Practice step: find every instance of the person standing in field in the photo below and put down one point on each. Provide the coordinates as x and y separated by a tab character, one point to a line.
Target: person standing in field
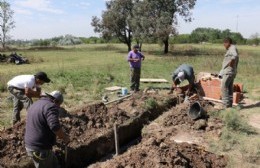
42	127
228	72
23	88
135	59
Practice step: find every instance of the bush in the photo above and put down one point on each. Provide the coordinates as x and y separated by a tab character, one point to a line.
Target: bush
151	104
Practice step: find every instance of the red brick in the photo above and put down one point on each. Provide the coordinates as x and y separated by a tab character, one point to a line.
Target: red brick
236	97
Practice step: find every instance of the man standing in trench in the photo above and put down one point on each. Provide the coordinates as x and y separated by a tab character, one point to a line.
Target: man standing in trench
135	59
228	72
23	88
42	127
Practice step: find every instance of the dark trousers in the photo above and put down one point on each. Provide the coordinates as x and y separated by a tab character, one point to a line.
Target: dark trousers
135	78
20	100
227	90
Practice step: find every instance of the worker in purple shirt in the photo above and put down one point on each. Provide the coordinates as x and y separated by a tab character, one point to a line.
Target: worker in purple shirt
135	59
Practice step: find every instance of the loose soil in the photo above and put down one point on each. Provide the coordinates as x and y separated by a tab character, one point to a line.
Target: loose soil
165	142
83	125
173	140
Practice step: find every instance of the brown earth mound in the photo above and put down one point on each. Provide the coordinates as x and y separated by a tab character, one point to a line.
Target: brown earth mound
90	121
159	147
164	153
83	125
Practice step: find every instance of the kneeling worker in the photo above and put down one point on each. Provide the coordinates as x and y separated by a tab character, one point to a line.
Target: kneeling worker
42	127
183	72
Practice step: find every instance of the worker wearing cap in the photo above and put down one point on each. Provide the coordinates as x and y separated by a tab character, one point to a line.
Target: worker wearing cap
42	127
23	88
135	59
228	72
183	72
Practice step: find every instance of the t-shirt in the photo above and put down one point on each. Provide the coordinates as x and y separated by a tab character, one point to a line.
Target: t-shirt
41	123
133	55
23	81
188	72
231	54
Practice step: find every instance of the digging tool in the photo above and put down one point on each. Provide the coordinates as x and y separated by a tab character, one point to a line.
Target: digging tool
116	139
118	99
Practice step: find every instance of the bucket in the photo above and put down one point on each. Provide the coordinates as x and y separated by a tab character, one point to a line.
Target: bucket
124	91
195	111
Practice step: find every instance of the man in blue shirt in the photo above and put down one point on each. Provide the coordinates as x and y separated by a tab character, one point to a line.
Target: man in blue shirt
183	72
135	59
42	127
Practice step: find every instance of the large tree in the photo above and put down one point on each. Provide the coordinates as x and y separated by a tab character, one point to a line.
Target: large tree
6	21
115	21
158	19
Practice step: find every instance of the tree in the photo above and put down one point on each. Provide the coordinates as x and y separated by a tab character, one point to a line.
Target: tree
158	19
6	21
115	21
254	39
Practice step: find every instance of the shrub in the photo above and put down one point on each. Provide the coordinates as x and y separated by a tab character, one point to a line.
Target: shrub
151	104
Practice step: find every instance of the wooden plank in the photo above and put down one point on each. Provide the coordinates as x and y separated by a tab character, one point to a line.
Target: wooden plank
152	80
211	99
113	88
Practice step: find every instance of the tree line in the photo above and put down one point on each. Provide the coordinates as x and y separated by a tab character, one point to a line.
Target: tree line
211	35
142	20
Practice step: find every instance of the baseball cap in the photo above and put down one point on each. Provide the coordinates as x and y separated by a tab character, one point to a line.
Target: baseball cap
181	76
56	95
42	76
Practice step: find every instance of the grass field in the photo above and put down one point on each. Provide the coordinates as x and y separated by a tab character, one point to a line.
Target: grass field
82	73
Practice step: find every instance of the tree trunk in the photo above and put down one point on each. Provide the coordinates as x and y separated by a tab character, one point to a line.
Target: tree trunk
129	46
166	46
140	45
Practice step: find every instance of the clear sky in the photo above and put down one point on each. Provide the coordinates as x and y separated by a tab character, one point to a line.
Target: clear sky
50	18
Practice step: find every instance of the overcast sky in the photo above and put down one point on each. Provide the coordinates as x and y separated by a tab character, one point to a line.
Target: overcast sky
50	18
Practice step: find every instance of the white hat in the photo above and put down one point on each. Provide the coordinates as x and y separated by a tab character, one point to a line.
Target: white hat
181	76
56	95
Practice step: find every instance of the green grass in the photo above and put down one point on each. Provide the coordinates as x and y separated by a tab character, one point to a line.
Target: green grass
82	72
239	141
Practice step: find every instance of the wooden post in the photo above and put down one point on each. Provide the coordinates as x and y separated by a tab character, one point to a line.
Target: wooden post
116	139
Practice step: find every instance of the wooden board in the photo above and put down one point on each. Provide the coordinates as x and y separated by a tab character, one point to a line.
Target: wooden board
113	88
151	80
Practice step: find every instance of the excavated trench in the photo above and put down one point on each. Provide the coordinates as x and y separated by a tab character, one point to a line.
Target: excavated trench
92	136
91	130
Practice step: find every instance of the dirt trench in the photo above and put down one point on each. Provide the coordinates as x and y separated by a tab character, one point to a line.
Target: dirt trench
91	130
161	145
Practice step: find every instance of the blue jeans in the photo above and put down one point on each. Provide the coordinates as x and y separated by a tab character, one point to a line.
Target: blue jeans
227	89
43	158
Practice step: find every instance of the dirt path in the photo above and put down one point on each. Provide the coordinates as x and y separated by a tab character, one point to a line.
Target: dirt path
254	120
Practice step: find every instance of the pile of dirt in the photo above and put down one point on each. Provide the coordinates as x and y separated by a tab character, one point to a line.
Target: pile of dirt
83	124
163	152
12	144
88	122
173	140
80	125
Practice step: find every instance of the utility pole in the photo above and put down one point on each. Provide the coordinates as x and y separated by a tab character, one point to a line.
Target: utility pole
237	24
